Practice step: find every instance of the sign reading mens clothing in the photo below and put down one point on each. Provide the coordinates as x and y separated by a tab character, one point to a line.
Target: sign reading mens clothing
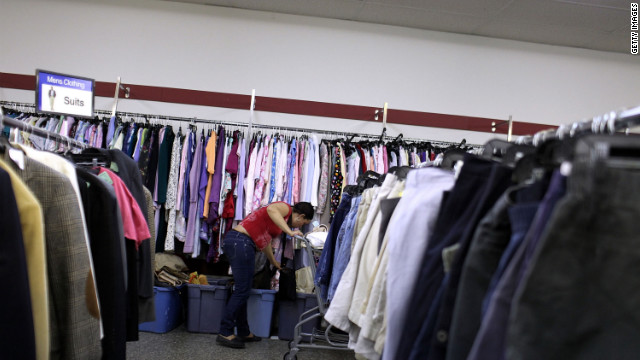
64	94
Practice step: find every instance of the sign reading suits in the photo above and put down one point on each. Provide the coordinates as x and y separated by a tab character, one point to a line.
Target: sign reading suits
64	94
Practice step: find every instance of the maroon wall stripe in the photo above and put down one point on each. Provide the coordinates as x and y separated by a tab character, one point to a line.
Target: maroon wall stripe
291	106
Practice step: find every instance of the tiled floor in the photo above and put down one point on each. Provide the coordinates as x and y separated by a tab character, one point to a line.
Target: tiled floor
179	344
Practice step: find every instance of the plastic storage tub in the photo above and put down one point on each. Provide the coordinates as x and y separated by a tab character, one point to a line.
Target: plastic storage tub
260	311
169	310
289	315
205	307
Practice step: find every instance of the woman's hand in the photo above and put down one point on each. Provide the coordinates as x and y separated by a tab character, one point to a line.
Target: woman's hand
296	232
276	264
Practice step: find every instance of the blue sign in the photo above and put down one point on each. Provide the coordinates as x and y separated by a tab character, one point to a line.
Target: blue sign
64	94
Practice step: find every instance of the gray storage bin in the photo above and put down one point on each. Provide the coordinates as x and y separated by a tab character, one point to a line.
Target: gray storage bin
289	313
205	307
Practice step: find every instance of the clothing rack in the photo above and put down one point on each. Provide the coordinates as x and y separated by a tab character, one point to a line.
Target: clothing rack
611	122
14	123
149	117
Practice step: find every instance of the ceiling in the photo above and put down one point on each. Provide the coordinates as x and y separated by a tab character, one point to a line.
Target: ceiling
591	24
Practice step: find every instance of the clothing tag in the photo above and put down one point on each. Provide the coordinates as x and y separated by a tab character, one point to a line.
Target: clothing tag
457	168
565	168
17	156
449	255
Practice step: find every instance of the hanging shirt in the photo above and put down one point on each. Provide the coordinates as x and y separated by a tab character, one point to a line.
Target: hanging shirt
172	194
287	196
194	185
181	223
111	130
181	172
226	179
138	146
133	220
303	158
260	176
186	193
251	181
297	174
272	180
324	178
241	181
311	158
218	175
291	172
343	169
316	172
278	172
267	174
231	168
204	177
211	168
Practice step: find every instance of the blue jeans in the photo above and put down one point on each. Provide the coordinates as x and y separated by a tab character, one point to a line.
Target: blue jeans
241	252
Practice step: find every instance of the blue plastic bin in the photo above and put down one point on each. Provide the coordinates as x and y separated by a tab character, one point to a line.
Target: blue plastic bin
260	311
205	307
169	310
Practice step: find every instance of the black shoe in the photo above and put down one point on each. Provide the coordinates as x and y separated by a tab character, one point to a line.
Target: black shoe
235	343
251	338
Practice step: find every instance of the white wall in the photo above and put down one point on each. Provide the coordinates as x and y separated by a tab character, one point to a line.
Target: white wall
228	50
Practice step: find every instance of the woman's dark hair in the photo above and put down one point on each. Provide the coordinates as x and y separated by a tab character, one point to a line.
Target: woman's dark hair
305	209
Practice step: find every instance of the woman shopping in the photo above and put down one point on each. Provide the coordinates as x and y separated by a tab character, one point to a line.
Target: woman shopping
254	233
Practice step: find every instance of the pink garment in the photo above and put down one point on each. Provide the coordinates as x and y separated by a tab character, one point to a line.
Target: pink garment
250	182
133	220
385	159
297	174
257	193
381	164
99	136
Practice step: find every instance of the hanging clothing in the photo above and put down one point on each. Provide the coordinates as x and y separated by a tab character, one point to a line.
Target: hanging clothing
324	178
108	249
25	331
336	181
74	333
194	184
172	193
417	213
210	151
218	175
139	268
241	182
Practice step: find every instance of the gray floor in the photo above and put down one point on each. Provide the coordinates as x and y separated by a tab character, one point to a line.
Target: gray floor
180	344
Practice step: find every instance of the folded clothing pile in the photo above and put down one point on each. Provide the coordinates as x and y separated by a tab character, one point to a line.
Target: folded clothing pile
170	270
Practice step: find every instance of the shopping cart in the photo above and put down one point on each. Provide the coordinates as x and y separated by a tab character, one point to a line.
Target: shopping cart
319	338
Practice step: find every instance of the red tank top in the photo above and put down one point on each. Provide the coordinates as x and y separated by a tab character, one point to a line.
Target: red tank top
261	228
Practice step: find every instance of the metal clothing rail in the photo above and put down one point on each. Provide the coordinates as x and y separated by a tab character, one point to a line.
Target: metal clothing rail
151	118
14	123
608	123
